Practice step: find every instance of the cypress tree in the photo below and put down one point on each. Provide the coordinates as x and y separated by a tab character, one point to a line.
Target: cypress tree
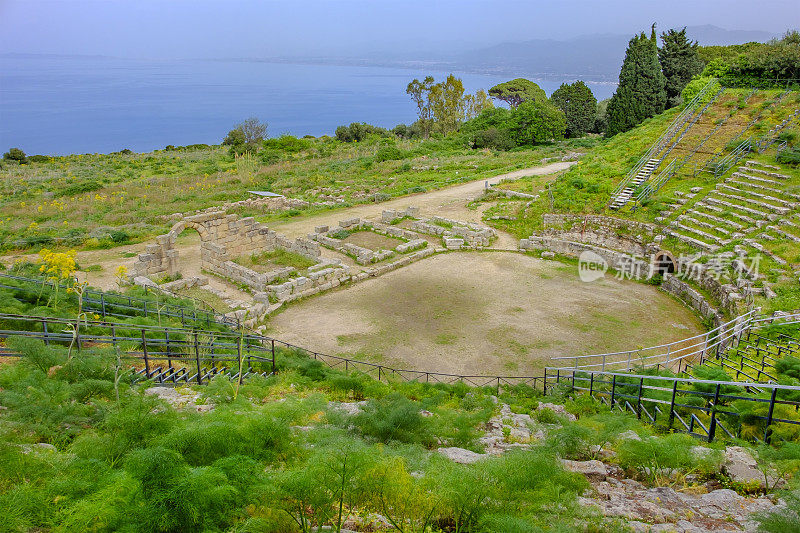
679	63
578	104
640	93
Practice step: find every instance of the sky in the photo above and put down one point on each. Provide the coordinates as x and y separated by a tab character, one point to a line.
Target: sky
182	29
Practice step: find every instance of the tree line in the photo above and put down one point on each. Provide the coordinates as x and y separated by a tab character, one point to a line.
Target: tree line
652	79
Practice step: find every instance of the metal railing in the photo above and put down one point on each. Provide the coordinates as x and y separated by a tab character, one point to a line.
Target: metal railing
157	345
663	355
670	132
667	400
109	304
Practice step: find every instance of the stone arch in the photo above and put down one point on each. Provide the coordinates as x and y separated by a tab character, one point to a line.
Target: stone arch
179	227
664	263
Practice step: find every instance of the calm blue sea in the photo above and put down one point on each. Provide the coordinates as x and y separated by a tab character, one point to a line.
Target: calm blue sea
87	105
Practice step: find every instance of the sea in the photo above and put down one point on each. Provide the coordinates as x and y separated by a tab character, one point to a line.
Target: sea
74	105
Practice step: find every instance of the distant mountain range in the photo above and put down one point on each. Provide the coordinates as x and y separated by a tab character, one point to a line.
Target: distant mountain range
588	57
595	58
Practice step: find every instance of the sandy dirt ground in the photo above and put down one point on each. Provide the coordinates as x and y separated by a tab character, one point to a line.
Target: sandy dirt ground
483	313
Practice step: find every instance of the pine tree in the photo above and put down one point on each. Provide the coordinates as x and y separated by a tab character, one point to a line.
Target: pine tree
578	104
640	93
679	63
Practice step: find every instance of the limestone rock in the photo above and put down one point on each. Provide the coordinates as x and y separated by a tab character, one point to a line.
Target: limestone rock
558	409
594	470
350	408
740	466
461	455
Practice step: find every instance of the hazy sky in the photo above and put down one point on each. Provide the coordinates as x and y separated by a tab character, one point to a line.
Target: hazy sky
232	28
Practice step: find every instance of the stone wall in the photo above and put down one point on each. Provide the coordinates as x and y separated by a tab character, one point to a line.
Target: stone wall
456	233
690	296
633	238
271	203
617	260
223	237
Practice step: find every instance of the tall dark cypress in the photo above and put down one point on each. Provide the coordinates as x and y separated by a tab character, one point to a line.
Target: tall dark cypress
679	63
641	92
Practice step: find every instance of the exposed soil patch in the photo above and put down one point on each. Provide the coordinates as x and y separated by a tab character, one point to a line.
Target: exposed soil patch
372	240
483	313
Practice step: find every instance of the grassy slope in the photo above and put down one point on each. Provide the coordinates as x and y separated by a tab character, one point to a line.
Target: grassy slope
586	188
90	196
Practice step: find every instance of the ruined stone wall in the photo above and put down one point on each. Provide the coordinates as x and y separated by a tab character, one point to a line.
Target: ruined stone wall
223	237
633	238
614	259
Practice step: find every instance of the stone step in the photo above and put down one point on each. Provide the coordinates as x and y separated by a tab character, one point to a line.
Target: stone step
734	225
762	188
703	224
768	174
699	234
784	234
716	209
701	245
735	207
760	247
783	203
751	162
748	177
775	210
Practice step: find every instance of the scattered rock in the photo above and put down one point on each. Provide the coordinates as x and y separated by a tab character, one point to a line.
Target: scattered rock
350	408
426	414
741	467
558	409
629	435
548	255
183	398
461	455
594	470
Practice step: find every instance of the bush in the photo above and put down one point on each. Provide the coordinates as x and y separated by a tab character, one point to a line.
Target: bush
15	154
656	458
120	236
358	131
388	153
394	418
789	156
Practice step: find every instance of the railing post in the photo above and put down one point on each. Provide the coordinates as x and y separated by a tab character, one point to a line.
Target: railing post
613	389
604	362
103	305
273	356
44	330
197	358
379	373
712	427
639	400
146	359
183	319
672	403
591	383
768	430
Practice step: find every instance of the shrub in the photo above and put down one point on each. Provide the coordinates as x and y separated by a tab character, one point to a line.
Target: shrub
120	236
789	156
15	154
394	418
656	458
388	153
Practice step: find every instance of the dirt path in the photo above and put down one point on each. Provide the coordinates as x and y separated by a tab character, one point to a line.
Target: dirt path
449	202
483	313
